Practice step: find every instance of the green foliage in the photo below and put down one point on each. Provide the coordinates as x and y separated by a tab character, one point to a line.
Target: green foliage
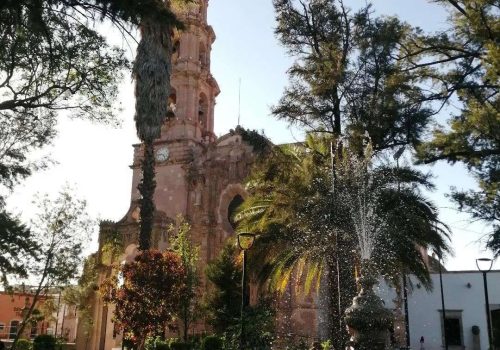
61	228
304	222
326	345
212	342
225	276
44	342
151	72
81	295
24	344
153	285
259	327
463	63
223	305
16	246
177	345
181	243
49	63
156	343
112	247
346	78
300	345
261	145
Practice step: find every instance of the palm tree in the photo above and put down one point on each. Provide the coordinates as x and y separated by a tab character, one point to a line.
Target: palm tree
306	228
151	72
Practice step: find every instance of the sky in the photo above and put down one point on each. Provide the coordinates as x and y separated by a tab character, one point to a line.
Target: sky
95	159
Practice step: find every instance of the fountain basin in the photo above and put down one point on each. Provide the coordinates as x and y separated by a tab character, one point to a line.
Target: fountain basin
368	321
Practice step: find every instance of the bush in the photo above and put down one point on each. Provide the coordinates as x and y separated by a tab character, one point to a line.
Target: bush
176	345
156	344
44	342
24	344
212	342
327	345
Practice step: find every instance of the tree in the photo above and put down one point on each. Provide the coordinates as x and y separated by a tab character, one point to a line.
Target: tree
222	304
462	63
149	295
151	72
16	247
52	59
346	78
82	294
225	277
301	221
61	228
181	243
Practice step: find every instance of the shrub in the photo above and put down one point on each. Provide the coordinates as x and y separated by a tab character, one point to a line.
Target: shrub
176	345
156	344
24	344
212	342
162	346
44	342
327	345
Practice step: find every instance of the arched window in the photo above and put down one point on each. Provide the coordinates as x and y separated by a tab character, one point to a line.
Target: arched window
172	102
231	209
203	110
13	328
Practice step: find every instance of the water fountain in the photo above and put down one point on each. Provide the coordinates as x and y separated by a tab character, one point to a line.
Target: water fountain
368	321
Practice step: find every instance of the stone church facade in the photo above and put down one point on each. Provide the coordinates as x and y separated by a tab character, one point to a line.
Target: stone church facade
198	176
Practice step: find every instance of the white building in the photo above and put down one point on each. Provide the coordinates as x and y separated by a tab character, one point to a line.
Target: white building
465	308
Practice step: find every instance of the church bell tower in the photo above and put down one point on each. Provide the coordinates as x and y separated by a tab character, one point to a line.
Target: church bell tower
189	128
192	99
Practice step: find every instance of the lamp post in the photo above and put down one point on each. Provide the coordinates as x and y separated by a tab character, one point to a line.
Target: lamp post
245	242
396	157
442	300
484	262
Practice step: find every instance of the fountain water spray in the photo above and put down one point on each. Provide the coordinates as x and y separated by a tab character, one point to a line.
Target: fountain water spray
367	319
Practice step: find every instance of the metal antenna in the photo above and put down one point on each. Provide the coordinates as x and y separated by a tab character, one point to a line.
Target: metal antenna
239	101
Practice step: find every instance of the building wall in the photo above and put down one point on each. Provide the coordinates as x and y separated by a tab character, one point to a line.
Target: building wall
463	294
11	306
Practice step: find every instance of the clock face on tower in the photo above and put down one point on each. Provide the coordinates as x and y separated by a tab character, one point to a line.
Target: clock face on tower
162	154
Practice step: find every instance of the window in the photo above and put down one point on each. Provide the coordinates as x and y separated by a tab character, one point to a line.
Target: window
203	56
495	325
2	327
452	327
231	210
172	102
202	110
14	325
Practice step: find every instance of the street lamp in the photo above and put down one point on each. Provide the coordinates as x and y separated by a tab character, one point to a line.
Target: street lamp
484	263
442	298
245	242
396	157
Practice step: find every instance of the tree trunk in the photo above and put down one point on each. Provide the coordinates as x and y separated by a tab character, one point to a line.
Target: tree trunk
147	189
28	315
